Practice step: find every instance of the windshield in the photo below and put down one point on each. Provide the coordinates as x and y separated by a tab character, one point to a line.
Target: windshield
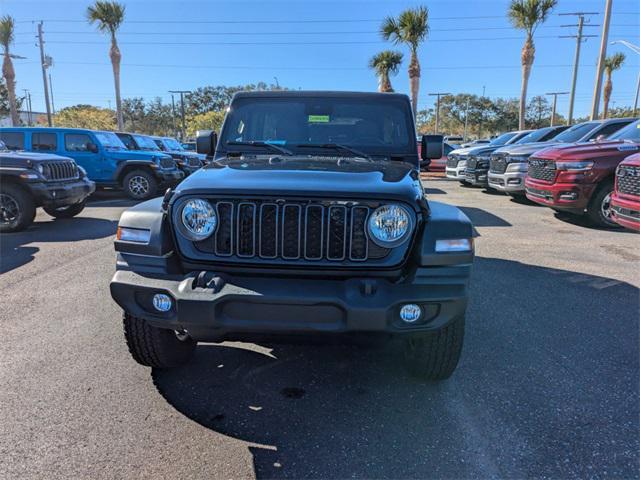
630	132
576	132
145	143
502	139
536	135
172	144
110	141
381	126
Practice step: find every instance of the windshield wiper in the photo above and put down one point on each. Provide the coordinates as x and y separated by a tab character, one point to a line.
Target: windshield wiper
255	143
335	146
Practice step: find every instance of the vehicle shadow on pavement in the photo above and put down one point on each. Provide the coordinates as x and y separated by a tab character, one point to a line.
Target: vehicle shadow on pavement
14	252
483	218
584	222
547	379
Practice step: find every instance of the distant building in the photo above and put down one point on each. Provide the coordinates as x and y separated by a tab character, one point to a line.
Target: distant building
5	120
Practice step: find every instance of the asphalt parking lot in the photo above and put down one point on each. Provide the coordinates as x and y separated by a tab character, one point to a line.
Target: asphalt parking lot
547	385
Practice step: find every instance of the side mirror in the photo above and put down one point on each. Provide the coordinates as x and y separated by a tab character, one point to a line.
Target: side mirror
206	141
432	147
92	147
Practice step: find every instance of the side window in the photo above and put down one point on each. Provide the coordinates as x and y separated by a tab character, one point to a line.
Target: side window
44	142
128	141
13	140
608	130
76	142
160	144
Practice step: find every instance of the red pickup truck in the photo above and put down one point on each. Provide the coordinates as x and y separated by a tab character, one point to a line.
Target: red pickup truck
625	202
579	178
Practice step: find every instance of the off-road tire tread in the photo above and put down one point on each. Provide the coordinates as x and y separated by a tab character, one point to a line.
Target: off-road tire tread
27	206
155	347
70	212
439	354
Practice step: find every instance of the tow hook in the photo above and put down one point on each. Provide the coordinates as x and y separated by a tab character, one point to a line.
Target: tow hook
208	280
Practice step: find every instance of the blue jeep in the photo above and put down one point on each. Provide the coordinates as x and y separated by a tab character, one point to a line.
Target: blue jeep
104	157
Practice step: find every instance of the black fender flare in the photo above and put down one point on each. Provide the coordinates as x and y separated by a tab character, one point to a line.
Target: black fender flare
125	164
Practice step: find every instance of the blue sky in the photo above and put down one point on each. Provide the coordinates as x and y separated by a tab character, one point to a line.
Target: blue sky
310	45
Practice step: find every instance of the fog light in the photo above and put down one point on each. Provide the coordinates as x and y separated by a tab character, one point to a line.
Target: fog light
410	313
162	302
568	195
514	181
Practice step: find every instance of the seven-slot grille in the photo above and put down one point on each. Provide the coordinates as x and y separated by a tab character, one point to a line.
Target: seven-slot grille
542	169
292	230
629	183
167	162
58	171
498	164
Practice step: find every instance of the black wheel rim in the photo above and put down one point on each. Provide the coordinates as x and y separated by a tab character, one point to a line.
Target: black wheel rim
9	209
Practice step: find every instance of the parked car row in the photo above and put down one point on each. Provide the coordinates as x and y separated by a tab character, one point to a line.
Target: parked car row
568	169
58	168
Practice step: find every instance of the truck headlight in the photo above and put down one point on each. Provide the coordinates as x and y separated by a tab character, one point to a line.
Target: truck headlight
574	166
389	225
198	219
518	167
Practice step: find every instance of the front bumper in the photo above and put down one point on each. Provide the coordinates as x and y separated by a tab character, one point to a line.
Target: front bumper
510	182
626	212
456	173
169	177
61	194
476	177
571	197
236	307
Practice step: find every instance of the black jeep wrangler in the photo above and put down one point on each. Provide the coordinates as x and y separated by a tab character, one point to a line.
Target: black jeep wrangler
29	180
310	220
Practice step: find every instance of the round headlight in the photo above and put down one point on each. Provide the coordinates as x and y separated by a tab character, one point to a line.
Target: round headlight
389	225
199	219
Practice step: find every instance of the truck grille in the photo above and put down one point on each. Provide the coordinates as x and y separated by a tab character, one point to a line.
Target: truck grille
542	169
59	171
629	180
293	231
167	162
452	161
498	164
472	163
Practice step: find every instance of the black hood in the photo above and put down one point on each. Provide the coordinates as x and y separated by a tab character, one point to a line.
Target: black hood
326	177
26	159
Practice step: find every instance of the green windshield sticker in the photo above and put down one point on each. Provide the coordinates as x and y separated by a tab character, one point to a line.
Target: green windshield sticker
318	118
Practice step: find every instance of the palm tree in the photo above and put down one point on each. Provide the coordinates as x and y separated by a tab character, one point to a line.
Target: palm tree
109	15
527	15
9	74
411	28
611	64
385	63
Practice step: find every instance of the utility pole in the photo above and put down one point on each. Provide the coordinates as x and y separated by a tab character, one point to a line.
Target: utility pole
466	118
53	108
438	95
576	60
182	92
44	64
555	101
595	106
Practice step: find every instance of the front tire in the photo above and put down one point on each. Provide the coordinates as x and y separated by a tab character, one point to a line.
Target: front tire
156	347
434	356
140	185
65	212
17	208
599	209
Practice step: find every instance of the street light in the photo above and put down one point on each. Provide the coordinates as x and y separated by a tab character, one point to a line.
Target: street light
636	49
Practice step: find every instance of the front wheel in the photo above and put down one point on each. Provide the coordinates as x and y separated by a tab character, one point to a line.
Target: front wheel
599	209
156	347
17	209
140	185
65	212
435	355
